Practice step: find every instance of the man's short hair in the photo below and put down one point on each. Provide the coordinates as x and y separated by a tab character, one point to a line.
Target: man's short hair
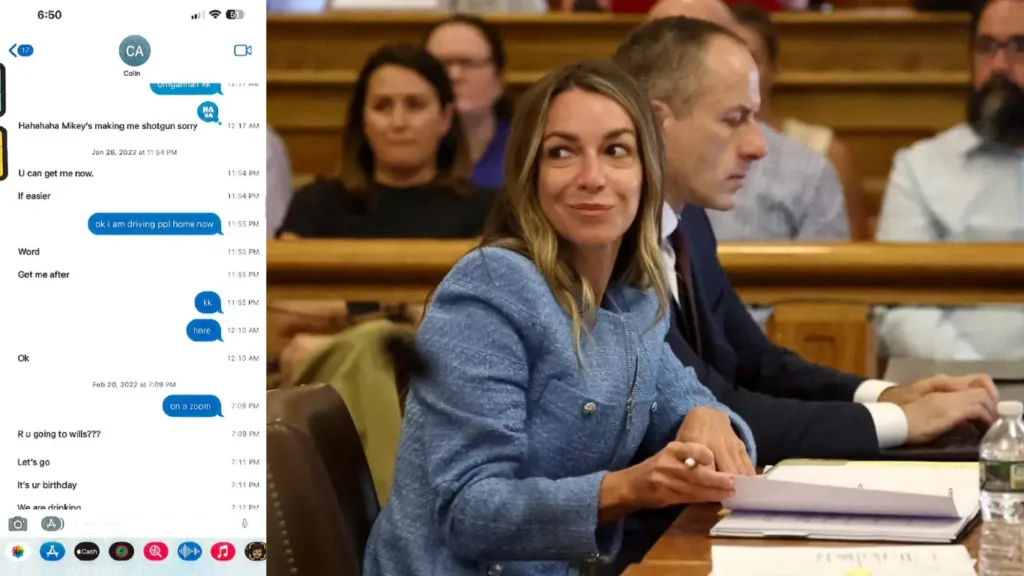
667	57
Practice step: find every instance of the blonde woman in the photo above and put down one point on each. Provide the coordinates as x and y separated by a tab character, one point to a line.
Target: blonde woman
549	368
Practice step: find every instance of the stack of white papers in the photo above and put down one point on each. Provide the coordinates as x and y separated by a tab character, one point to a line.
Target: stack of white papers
886	502
859	561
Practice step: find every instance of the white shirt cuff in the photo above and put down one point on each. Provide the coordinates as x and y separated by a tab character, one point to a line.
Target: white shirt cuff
890	424
870	390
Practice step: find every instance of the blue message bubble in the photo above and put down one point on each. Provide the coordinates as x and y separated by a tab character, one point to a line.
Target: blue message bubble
192	406
208	303
204	330
155	224
179	89
209	112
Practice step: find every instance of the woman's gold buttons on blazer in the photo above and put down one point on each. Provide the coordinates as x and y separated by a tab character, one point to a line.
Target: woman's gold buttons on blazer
589	409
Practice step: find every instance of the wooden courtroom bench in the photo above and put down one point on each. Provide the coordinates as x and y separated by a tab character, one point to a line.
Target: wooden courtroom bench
822	293
882	81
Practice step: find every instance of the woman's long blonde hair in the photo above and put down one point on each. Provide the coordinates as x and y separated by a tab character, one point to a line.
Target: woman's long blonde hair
517	221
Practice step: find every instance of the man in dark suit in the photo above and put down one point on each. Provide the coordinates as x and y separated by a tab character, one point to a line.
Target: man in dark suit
702	82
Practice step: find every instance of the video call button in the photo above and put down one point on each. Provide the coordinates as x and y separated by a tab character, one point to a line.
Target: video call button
87	551
121	551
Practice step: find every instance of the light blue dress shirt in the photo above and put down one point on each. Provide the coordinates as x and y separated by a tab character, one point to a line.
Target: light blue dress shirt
793	193
279	182
954	188
295	6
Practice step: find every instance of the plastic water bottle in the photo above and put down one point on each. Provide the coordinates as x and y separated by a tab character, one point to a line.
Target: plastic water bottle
1002	494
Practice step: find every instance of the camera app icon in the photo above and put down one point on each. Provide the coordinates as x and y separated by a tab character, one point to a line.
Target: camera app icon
17	524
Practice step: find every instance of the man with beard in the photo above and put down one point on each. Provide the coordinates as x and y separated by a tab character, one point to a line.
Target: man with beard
965	185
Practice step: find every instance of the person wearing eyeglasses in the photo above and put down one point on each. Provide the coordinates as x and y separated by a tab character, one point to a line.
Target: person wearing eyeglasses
965	185
474	56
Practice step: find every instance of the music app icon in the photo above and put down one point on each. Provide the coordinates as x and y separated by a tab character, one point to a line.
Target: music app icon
223	551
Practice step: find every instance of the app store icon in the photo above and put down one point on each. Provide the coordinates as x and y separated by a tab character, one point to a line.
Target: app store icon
52	551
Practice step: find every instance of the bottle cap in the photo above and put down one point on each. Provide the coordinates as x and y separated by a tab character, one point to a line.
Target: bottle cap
1011	408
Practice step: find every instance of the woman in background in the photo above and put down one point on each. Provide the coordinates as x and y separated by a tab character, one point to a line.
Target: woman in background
548	367
405	164
474	56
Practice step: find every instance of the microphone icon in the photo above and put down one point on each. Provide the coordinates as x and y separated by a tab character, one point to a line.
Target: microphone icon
245	523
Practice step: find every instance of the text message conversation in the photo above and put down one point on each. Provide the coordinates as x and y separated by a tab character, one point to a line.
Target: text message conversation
132	264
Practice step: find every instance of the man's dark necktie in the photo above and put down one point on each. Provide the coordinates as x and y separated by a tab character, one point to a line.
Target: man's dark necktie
687	303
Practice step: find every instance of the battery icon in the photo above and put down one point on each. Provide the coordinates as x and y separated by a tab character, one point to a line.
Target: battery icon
235	14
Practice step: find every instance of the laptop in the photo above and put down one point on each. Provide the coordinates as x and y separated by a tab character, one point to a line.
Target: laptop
960	444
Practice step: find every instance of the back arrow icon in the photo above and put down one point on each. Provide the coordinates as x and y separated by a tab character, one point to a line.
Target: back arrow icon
11	50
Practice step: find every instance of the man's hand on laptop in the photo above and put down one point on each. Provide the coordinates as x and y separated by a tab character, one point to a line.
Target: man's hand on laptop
713	429
933	415
907	393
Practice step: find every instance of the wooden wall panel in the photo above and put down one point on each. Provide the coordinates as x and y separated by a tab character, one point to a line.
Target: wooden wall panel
876	116
811	41
882	81
822	294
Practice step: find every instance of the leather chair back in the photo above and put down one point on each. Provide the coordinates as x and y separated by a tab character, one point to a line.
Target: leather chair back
318	412
306	533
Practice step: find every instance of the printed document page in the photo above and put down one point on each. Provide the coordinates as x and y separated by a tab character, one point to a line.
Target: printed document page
859	561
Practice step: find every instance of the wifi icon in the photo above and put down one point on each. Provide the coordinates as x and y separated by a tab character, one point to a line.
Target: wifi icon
215	14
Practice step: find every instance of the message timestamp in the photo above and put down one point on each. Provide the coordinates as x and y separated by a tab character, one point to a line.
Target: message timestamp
139	384
137	152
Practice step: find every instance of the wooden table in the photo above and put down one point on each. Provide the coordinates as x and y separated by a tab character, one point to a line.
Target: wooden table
668	569
685	549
